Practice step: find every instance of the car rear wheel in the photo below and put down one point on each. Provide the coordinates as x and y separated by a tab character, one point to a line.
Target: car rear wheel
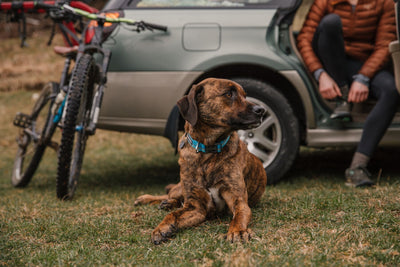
276	141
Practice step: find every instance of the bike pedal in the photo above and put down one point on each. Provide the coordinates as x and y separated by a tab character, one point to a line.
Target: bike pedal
22	120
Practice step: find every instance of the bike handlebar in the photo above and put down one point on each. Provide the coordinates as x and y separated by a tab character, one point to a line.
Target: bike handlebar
99	17
156	26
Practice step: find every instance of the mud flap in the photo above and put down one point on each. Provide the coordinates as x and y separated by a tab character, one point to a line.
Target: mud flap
172	127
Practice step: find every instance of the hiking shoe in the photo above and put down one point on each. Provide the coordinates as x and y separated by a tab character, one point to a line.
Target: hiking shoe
342	111
358	177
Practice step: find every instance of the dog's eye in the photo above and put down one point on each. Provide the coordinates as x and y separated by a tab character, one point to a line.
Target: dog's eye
229	94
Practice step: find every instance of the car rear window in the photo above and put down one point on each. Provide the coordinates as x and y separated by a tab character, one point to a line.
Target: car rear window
209	3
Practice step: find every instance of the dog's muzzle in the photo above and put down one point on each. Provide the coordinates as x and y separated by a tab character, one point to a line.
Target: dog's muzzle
248	119
259	110
259	113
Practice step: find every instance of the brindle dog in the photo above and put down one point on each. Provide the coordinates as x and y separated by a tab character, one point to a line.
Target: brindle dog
216	169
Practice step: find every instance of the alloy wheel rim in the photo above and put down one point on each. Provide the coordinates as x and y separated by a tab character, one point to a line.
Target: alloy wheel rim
265	140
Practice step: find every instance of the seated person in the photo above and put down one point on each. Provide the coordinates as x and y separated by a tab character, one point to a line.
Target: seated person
344	44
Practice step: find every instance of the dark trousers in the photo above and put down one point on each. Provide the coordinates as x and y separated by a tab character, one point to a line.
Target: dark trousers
328	45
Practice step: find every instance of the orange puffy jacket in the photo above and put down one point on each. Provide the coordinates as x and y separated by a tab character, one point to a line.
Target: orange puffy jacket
367	30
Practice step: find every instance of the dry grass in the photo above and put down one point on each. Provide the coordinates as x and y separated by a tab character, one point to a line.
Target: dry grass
30	67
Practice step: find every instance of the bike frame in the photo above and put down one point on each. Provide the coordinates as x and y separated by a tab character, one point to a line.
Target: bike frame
96	48
93	46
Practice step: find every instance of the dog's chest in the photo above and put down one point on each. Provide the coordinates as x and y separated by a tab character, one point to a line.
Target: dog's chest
216	201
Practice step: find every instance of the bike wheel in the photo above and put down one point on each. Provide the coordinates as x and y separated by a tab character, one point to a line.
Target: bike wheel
34	138
74	135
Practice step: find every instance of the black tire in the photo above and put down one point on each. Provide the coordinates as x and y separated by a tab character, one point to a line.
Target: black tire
30	150
276	141
74	135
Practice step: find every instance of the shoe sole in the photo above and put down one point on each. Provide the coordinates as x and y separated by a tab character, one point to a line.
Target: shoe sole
362	184
343	117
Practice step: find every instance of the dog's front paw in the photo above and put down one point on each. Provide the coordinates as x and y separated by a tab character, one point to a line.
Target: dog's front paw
236	236
162	233
170	204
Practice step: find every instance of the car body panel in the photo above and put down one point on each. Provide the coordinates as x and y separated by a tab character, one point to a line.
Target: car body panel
147	109
294	77
147	67
158	51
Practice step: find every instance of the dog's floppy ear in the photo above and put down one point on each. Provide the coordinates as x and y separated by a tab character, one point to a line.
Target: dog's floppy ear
187	105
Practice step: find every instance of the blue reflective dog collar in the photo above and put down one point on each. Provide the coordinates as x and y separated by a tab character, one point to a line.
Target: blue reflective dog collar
206	149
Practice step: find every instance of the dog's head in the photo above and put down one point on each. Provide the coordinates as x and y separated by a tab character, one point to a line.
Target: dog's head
220	103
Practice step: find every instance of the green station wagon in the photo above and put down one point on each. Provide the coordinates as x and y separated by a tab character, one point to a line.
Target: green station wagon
250	41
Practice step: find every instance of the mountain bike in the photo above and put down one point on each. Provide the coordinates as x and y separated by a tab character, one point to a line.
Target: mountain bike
85	94
38	127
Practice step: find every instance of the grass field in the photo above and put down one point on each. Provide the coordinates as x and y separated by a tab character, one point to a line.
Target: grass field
309	219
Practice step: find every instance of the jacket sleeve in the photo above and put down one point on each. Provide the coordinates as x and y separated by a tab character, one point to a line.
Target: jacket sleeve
386	32
304	40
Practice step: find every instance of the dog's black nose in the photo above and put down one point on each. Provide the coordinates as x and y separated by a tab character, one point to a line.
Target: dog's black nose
258	110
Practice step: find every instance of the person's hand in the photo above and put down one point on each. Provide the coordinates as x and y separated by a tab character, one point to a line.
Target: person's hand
328	87
358	92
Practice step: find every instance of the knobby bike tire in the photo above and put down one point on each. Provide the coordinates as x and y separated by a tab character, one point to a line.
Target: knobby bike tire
30	151
74	134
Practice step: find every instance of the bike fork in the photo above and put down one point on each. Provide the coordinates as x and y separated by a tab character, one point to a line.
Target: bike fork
95	111
98	97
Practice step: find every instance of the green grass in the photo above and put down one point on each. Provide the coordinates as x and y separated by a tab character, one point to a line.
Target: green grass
309	219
